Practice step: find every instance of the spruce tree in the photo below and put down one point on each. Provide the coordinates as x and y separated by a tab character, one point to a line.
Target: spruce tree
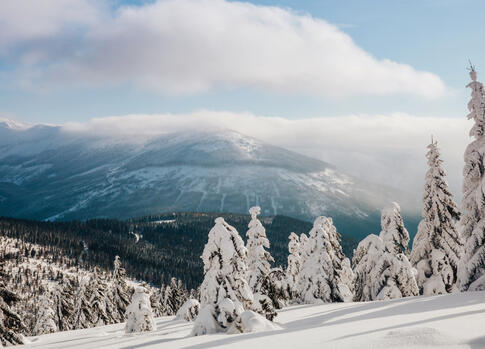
82	316
64	294
11	325
259	264
224	292
471	269
139	316
394	234
437	245
101	304
46	316
381	268
119	290
322	277
294	265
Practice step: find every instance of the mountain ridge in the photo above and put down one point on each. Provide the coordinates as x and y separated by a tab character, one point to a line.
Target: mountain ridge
50	173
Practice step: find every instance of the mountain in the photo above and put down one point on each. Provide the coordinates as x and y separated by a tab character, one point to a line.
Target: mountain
50	173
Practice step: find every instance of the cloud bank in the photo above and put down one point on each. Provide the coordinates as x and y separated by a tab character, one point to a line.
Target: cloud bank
193	46
388	149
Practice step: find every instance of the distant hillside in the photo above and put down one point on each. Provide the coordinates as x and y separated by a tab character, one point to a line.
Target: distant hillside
48	173
169	246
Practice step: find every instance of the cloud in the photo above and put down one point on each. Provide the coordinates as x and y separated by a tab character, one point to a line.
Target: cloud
387	149
195	46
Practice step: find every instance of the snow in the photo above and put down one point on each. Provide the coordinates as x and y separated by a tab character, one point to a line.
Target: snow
451	321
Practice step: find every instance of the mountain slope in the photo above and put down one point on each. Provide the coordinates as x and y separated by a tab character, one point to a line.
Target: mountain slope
414	322
49	173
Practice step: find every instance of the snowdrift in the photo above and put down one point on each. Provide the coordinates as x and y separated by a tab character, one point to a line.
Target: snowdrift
451	321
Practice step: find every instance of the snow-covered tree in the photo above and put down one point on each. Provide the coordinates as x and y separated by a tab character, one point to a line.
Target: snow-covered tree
437	245
82	316
11	325
64	294
380	266
322	278
120	291
101	304
259	264
471	269
259	260
175	296
224	292
294	265
46	316
157	301
394	234
189	310
139	316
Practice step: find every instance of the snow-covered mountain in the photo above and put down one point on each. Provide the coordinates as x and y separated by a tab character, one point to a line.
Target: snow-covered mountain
47	172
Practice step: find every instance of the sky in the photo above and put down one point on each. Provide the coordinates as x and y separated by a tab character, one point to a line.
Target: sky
350	67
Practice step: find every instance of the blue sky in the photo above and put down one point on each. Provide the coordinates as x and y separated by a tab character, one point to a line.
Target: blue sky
432	36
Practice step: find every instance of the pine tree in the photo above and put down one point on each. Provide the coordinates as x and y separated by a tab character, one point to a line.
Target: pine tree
46	316
322	278
11	325
471	269
381	268
294	265
437	245
259	264
139	316
224	293
120	291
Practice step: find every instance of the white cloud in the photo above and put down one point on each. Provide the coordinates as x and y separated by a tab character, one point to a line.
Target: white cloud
388	149
193	46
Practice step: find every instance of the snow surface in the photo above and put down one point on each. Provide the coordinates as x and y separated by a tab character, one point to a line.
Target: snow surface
449	321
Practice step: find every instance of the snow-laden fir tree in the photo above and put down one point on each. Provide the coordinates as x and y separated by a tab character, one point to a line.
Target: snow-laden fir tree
120	292
471	270
82	316
259	260
101	304
224	292
11	325
157	301
437	245
139	316
322	275
175	296
294	265
189	310
275	287
45	316
259	264
394	234
380	266
64	293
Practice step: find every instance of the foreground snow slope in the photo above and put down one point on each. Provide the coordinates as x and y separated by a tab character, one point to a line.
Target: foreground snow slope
451	321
